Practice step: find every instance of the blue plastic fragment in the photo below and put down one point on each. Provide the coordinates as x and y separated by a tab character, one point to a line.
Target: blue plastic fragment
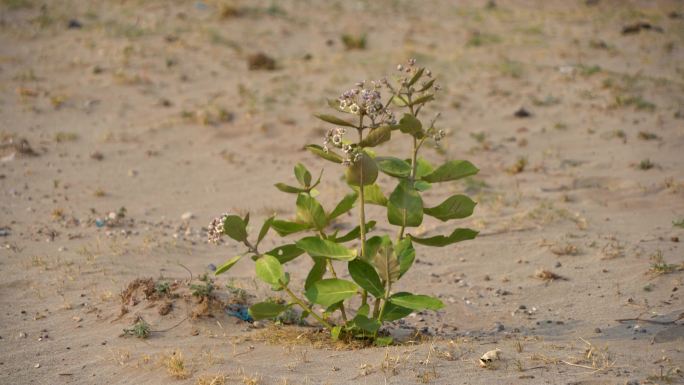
99	222
239	311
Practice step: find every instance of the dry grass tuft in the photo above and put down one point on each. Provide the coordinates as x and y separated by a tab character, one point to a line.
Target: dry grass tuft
564	249
211	379
175	365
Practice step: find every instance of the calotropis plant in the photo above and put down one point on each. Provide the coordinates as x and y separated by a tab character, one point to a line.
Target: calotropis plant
379	261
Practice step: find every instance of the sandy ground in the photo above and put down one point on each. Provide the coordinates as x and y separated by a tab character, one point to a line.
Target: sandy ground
150	106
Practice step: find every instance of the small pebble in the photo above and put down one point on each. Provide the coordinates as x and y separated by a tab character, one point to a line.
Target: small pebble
597	330
187	216
36	366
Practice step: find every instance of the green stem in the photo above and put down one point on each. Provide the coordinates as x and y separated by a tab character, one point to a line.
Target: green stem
307	308
362	216
412	177
384	302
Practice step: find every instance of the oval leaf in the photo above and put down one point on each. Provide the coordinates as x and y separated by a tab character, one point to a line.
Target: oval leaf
235	227
417	302
365	276
452	170
269	269
346	204
355	233
286	253
327	155
377	136
372	194
264	310
366	324
409	124
311	212
317	247
457	235
284	228
226	266
303	175
393	166
264	229
328	292
406	254
386	261
394	312
334	120
316	273
405	206
289	189
455	207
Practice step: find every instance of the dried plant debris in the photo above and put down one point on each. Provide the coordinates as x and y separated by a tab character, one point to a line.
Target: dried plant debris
354	42
260	61
11	147
637	27
564	249
489	358
548	275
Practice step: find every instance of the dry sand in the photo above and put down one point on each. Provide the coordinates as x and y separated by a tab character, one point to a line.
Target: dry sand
149	105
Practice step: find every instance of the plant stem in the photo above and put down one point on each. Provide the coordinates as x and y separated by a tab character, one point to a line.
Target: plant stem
412	178
362	215
308	309
384	302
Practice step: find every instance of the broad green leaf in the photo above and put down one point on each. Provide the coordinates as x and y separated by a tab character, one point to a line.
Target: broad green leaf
364	310
285	253
303	175
226	266
423	99
366	324
455	207
269	269
372	194
286	188
285	228
334	120
393	166
406	254
405	206
317	247
365	276
330	291
452	170
316	273
394	312
264	229
264	310
423	167
417	302
327	155
346	204
457	235
311	212
355	233
235	227
409	124
372	246
399	101
383	341
377	136
422	185
386	262
416	77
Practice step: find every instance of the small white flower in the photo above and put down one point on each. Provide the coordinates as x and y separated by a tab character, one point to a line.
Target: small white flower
354	108
343	104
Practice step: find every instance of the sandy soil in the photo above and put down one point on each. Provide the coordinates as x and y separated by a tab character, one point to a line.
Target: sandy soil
150	106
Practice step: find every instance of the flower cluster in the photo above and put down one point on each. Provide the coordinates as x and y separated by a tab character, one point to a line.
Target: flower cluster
367	102
215	231
334	137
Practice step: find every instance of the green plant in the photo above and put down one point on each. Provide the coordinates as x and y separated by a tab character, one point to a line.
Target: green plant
380	261
354	42
204	289
162	288
140	329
